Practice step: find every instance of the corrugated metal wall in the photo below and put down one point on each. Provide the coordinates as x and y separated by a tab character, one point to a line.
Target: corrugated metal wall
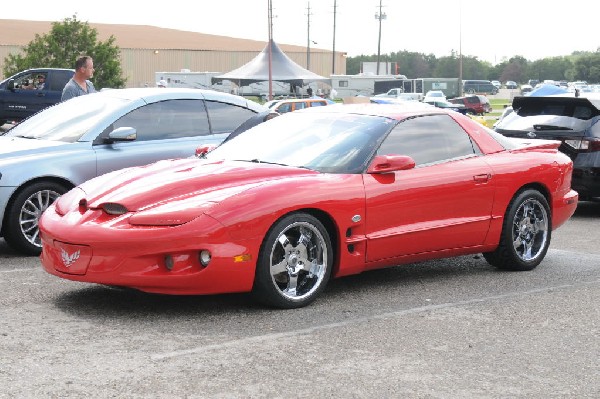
139	65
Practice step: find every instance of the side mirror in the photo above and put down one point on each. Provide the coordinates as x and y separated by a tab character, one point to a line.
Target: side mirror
390	163
123	134
10	85
205	149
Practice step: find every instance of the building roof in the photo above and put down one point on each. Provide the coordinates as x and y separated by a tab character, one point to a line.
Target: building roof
21	32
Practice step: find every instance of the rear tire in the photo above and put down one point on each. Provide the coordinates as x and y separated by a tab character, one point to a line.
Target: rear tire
294	263
22	216
526	233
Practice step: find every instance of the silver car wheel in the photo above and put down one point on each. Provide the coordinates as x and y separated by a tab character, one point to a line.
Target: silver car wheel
530	230
298	261
32	210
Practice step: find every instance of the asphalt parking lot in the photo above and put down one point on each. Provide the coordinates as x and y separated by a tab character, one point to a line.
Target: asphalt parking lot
453	328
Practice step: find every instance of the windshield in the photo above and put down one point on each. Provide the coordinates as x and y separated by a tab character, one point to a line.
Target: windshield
67	121
514	121
321	141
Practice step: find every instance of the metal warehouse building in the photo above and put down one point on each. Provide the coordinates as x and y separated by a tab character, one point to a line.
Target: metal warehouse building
149	49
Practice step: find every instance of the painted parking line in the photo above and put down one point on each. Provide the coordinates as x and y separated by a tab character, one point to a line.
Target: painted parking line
310	330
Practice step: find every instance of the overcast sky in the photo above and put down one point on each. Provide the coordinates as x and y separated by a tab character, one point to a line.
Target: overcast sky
492	31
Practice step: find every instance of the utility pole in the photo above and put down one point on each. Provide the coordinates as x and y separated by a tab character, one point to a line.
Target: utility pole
308	36
380	16
333	51
270	22
460	57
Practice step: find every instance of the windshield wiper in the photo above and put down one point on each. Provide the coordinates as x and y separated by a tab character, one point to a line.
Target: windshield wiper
550	127
255	160
267	162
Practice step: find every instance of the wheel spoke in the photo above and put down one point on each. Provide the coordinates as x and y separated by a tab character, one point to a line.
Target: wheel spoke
527	247
290	290
283	240
280	268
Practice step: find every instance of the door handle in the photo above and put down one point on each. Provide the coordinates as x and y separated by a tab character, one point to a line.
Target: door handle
482	178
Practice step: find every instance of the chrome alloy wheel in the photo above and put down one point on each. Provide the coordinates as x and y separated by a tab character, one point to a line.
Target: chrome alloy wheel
298	261
32	210
530	230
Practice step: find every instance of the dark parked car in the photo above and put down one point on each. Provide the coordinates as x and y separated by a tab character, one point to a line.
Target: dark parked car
62	146
30	91
479	86
575	121
476	104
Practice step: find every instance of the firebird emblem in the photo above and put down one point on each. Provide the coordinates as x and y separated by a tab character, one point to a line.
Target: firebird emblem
67	259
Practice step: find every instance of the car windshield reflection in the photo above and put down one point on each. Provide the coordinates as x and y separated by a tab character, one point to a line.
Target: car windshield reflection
318	141
53	124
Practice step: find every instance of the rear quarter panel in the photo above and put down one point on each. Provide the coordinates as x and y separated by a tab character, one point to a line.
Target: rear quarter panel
548	171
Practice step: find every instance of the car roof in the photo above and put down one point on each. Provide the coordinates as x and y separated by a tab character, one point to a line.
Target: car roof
393	111
298	100
152	94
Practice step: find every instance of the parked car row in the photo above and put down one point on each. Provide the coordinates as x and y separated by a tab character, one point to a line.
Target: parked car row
106	187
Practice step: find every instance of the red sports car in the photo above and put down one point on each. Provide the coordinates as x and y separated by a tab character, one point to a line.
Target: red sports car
310	195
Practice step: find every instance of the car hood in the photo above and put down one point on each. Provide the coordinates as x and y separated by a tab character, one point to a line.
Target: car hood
193	181
16	146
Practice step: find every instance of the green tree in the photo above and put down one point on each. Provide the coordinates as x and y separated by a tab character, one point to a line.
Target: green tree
514	69
587	67
60	48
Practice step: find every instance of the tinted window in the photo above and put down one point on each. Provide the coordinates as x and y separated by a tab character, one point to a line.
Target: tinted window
58	79
283	108
167	120
224	118
428	139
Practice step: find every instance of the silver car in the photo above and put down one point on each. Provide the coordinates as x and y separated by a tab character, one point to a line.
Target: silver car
64	145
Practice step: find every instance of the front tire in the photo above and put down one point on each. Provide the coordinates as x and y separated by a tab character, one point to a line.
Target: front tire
294	263
22	231
526	233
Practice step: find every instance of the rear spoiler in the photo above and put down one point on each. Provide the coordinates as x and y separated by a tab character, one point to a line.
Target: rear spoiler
565	104
526	145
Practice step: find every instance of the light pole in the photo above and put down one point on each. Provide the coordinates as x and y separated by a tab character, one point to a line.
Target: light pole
333	50
308	36
460	57
380	16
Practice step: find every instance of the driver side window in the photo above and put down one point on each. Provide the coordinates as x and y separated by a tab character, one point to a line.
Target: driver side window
428	139
25	82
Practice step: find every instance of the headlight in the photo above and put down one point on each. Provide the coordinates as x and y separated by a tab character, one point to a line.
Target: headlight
173	214
69	201
114	209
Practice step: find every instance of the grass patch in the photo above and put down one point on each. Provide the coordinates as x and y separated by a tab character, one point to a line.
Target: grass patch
498	105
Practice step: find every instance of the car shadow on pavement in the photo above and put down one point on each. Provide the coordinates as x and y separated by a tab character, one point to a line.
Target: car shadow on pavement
98	301
588	209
